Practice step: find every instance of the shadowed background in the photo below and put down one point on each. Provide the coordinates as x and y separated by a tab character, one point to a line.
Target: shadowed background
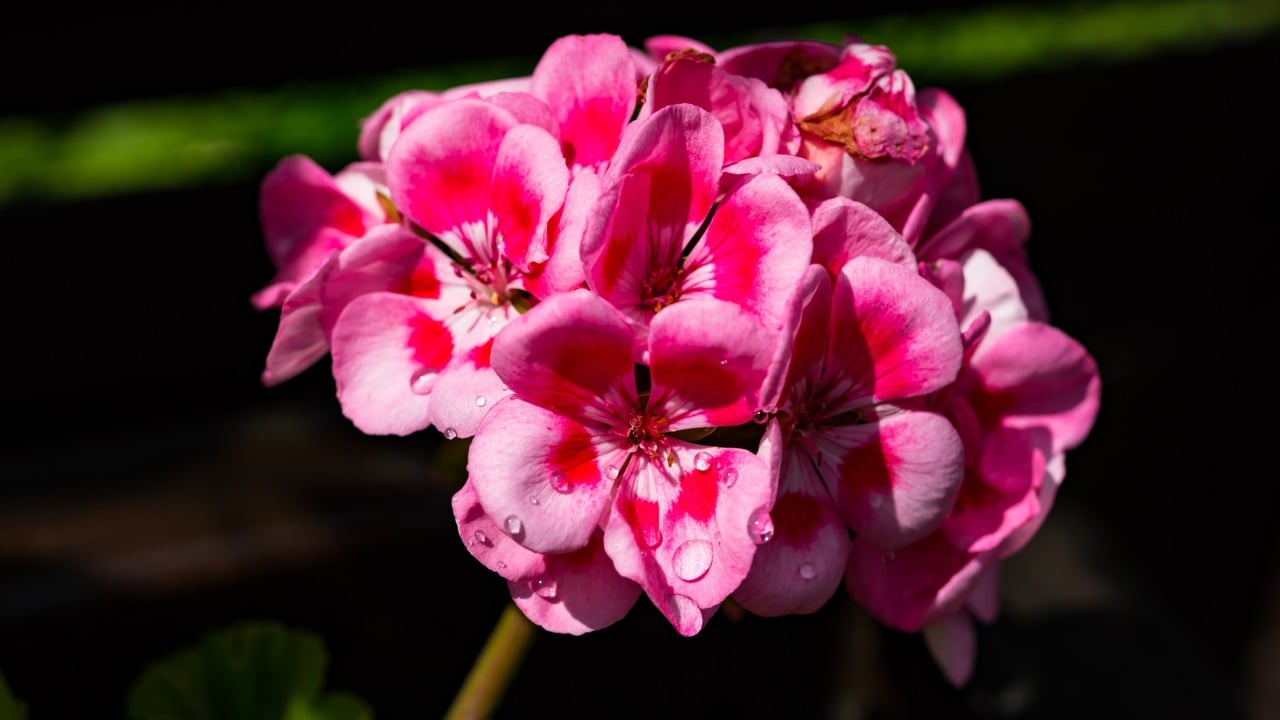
152	490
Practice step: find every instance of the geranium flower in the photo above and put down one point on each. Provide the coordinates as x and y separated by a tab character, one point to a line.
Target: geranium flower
861	449
580	447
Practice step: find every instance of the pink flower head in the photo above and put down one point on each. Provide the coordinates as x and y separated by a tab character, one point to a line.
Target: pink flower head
646	247
861	450
483	186
579	448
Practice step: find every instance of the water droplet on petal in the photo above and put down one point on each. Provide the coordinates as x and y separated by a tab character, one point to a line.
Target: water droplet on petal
560	482
611	472
481	537
702	462
723	363
729	477
808	571
687	616
544	586
450	433
500	564
760	416
480	401
651	537
692	560
423	380
513	525
533	500
760	526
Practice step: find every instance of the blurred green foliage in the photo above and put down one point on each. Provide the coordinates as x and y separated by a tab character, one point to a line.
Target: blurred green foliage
236	134
10	708
247	671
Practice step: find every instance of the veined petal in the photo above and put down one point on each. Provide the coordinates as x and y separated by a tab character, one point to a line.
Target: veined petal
386	258
913	586
298	200
386	349
1000	493
529	185
758	244
1035	375
487	542
571	353
893	333
703	377
440	169
465	391
542	475
300	338
797	571
844	229
575	592
894	480
589	81
563	269
683	530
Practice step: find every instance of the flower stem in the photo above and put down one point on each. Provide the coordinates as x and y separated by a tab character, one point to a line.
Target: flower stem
494	667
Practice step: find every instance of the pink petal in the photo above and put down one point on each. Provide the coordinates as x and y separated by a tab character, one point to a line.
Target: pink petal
589	81
542	475
754	251
487	542
949	180
984	597
563	270
893	481
683	530
659	46
707	379
989	288
997	226
913	586
894	333
388	257
886	122
300	338
571	353
441	168
844	229
464	393
1034	375
953	644
998	495
386	349
576	592
529	185
299	201
805	353
797	571
379	130
781	64
528	110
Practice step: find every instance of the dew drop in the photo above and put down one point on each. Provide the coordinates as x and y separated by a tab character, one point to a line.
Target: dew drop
500	564
723	363
560	482
729	477
533	500
702	462
422	381
760	416
760	526
480	401
450	433
808	571
481	537
651	537
611	472
513	525
685	615
544	586
692	560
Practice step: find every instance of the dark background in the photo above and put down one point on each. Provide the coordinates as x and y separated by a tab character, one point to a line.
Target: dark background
151	490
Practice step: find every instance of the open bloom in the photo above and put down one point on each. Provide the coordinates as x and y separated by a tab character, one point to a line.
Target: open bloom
861	448
580	449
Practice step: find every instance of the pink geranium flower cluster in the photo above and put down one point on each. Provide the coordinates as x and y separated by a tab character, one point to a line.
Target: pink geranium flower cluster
722	326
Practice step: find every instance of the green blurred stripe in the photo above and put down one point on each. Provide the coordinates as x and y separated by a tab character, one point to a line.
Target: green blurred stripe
236	134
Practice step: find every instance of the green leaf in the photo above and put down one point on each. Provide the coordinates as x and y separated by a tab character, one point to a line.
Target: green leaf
248	671
10	708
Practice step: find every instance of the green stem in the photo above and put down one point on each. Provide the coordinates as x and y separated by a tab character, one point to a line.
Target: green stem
494	667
